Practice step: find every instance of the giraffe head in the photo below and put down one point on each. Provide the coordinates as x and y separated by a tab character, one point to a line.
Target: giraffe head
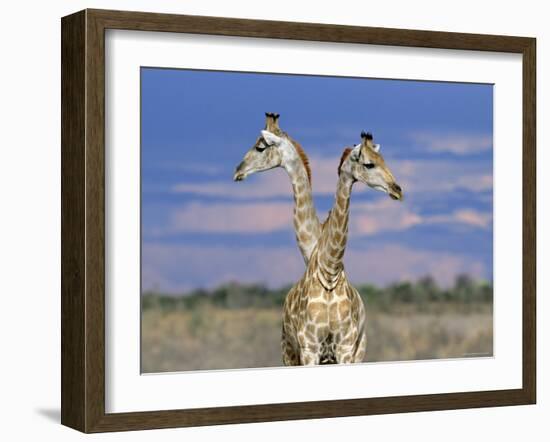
273	148
365	163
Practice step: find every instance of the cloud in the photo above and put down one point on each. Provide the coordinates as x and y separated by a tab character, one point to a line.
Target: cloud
366	218
441	176
468	217
272	184
456	143
249	207
385	215
231	218
176	268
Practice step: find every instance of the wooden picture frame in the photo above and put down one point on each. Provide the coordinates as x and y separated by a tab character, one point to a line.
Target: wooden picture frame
83	220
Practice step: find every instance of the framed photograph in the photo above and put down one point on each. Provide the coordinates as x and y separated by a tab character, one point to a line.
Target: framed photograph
270	220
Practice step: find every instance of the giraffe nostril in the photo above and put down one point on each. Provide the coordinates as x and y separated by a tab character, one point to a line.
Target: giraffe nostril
397	187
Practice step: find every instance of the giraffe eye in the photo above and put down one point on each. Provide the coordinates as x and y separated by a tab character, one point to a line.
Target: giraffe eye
260	147
369	165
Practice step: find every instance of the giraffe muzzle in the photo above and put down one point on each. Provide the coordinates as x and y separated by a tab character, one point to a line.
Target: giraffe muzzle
240	173
395	192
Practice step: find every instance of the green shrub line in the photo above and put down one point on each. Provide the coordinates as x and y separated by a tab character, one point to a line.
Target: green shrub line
425	291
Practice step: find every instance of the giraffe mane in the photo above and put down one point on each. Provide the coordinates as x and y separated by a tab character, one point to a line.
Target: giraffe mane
302	154
345	155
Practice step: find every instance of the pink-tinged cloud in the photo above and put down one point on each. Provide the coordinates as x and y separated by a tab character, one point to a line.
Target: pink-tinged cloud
241	215
459	144
377	216
382	215
477	183
473	218
177	268
232	218
468	217
385	215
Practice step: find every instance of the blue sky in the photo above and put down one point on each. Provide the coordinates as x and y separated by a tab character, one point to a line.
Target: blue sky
201	229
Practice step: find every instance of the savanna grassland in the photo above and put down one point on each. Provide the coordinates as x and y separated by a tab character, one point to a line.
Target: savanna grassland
239	326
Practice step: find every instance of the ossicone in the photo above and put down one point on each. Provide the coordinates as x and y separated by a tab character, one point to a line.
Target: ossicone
366	135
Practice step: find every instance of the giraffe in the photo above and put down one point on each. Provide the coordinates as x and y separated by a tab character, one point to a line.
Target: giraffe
324	317
274	148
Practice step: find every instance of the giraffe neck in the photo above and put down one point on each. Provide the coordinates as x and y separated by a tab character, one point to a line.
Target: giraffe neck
306	223
332	243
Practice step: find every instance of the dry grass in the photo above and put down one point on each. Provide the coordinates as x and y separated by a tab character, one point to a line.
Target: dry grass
209	337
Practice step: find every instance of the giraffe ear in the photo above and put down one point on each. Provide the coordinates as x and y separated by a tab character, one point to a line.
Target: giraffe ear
355	153
270	138
376	147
